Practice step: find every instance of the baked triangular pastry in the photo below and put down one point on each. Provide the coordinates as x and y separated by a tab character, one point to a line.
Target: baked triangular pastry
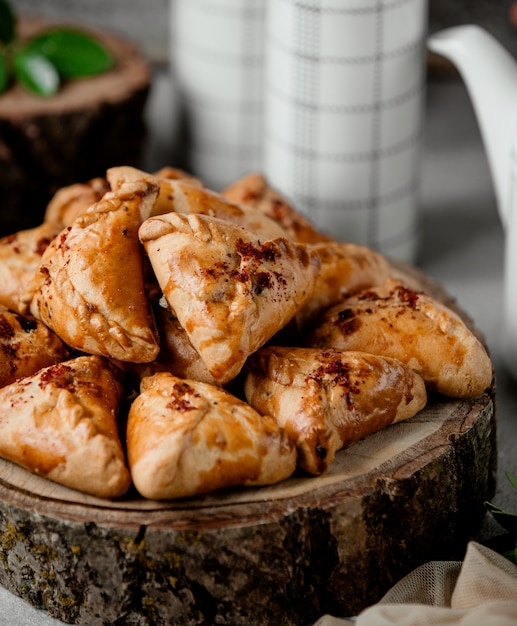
254	190
90	288
186	438
412	326
345	269
20	256
61	424
230	291
183	194
70	202
187	198
177	355
327	399
26	346
164	203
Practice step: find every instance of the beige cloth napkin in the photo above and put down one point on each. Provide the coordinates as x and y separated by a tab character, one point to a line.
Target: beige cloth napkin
481	590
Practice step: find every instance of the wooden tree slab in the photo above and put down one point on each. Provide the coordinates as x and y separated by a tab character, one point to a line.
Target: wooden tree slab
88	126
278	555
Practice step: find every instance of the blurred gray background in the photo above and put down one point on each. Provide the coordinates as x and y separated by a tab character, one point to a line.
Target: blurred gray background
146	21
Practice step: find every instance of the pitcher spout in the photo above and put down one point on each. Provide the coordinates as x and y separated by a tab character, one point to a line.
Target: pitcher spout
489	72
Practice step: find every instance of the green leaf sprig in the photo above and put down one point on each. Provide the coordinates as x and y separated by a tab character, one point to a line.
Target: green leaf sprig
507	520
42	63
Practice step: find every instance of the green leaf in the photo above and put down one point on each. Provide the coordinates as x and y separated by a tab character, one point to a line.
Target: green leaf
507	520
36	73
7	23
4	75
512	478
73	53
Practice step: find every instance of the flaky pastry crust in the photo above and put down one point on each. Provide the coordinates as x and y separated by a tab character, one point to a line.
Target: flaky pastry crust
60	423
186	438
164	203
69	202
328	399
188	198
393	320
182	193
20	256
230	292
26	346
89	287
177	355
345	269
254	190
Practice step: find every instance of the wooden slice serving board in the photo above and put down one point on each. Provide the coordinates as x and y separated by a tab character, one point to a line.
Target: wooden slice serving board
284	554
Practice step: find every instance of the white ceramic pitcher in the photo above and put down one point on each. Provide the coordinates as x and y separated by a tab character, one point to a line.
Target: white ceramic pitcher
489	72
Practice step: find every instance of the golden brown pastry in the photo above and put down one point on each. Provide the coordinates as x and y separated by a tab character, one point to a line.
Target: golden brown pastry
345	269
411	326
186	438
26	346
89	287
123	174
230	292
184	194
177	355
328	399
164	202
71	201
254	190
20	256
61	423
174	173
188	198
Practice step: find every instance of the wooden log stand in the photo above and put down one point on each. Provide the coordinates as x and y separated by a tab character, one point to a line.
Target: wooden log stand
272	556
281	555
89	125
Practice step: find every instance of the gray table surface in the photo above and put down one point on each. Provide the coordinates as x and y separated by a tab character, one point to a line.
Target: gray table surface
462	248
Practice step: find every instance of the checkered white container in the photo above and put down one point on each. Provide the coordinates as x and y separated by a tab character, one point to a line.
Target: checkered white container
323	96
344	87
216	50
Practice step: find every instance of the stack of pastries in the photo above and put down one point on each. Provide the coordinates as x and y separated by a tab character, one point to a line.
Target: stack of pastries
161	335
